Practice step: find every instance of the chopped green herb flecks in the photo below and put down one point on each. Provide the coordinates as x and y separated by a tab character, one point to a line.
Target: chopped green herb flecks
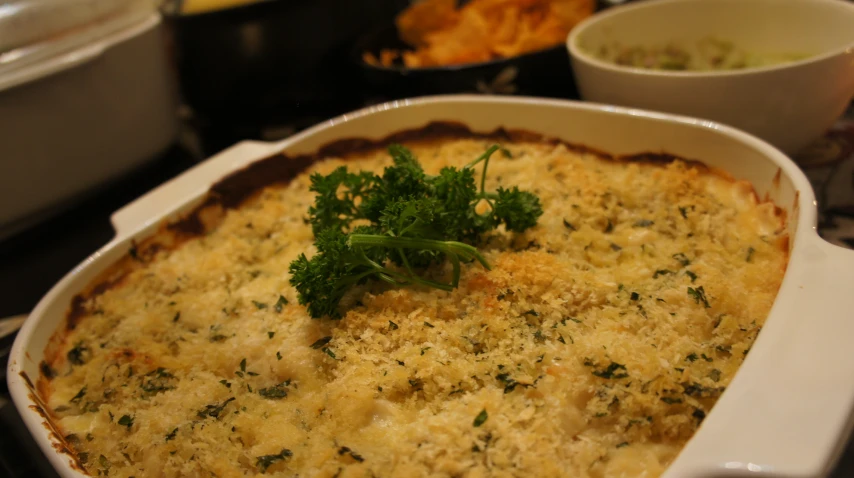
275	392
715	375
345	450
259	305
613	371
78	355
392	326
156	381
682	259
79	396
280	304
699	295
214	410
126	421
266	461
480	419
319	343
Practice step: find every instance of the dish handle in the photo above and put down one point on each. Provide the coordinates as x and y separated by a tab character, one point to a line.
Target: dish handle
182	190
802	432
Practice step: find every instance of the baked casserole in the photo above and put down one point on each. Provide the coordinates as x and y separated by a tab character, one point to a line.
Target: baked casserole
593	348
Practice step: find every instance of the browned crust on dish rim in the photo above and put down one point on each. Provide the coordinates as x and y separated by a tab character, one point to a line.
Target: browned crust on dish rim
237	187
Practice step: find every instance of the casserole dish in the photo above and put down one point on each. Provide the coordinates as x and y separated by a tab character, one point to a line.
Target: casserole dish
70	122
788	409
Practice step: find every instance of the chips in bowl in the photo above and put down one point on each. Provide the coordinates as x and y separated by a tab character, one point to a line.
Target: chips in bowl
481	30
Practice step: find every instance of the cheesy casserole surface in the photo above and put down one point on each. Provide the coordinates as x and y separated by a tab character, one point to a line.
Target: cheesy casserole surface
594	348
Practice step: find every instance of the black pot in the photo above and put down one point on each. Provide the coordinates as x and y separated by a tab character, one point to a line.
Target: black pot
266	63
540	73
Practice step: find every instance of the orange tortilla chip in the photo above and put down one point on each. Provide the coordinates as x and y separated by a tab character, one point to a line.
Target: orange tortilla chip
424	17
482	30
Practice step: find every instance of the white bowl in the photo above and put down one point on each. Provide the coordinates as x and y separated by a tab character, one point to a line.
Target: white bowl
788	105
785	414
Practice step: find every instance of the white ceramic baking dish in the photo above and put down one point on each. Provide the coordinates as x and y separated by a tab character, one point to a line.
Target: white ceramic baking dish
788	410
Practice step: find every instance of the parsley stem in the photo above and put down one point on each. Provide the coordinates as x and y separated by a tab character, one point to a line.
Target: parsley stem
416	278
466	251
485	158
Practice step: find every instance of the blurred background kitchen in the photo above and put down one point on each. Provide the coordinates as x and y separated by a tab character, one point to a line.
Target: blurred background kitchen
103	100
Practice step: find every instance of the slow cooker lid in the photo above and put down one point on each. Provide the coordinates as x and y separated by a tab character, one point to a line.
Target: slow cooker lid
34	30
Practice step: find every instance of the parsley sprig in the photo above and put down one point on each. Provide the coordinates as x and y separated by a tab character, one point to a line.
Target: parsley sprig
409	221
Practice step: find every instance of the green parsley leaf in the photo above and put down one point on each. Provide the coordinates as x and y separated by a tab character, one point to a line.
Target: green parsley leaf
415	221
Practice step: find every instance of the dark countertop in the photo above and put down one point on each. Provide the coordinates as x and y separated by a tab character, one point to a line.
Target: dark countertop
31	262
